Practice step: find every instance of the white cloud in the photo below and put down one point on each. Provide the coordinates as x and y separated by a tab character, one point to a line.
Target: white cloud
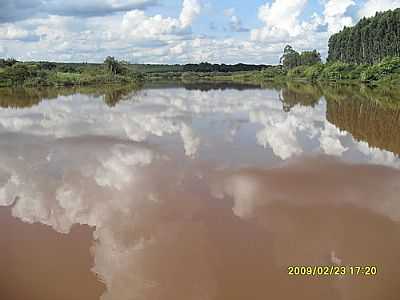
280	20
335	14
280	134
118	170
138	26
283	24
12	32
191	143
89	30
330	140
131	35
190	10
370	7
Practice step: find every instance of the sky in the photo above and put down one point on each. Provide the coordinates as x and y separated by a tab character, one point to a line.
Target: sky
174	31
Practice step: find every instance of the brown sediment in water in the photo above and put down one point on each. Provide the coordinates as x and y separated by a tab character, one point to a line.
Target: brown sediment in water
37	263
230	234
222	225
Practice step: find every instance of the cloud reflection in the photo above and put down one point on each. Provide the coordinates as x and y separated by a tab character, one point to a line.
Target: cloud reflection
175	227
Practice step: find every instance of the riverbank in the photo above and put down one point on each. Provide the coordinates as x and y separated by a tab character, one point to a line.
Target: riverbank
34	74
29	74
386	72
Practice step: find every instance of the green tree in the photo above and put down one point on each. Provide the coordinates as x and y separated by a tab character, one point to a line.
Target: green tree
369	41
290	57
112	65
309	58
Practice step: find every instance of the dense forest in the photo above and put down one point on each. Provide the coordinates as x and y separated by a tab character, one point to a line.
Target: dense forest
371	40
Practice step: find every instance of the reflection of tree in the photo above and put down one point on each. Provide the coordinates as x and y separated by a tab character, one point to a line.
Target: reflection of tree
300	93
24	97
115	94
28	97
366	114
273	85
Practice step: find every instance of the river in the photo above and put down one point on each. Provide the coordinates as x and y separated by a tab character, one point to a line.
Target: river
199	192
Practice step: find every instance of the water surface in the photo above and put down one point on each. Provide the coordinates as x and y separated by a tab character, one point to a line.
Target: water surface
198	192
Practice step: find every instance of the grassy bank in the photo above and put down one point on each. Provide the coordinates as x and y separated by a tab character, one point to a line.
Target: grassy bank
387	72
32	74
28	74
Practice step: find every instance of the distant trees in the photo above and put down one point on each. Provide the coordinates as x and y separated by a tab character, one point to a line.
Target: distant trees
46	65
208	67
371	40
291	58
9	62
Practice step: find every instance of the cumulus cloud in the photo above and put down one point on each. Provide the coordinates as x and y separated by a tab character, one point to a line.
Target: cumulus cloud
330	140
284	23
136	25
283	131
118	170
130	35
280	134
280	19
89	30
190	10
12	32
370	7
191	143
335	14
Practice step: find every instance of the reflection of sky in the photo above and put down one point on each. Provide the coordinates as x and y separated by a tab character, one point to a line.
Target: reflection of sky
224	119
77	161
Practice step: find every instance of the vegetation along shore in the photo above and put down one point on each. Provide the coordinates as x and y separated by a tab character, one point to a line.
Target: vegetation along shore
369	52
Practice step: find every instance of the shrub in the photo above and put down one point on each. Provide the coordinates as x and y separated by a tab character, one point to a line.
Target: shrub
387	67
297	72
313	72
337	71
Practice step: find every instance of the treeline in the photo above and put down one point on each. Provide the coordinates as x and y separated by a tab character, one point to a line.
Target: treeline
7	62
203	67
371	40
13	72
291	58
208	67
386	71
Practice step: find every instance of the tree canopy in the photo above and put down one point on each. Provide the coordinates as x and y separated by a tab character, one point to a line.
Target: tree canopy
371	40
291	58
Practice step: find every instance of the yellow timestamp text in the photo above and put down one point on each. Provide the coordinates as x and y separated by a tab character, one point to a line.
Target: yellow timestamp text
332	270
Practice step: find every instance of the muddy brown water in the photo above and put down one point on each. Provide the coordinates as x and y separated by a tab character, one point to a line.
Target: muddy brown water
184	193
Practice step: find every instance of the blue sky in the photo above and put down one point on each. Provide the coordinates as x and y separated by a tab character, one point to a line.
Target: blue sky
174	31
